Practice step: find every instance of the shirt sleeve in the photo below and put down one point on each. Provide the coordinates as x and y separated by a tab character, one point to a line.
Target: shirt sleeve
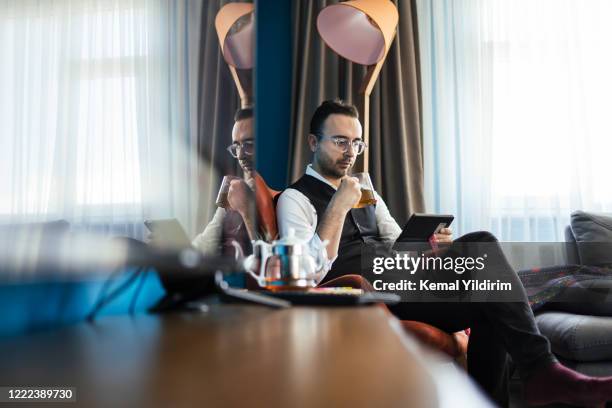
209	240
295	211
387	226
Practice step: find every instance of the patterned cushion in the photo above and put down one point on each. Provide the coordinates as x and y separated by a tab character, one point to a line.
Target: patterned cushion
588	297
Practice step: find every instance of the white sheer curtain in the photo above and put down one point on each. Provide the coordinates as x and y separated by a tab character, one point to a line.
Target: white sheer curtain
517	126
97	112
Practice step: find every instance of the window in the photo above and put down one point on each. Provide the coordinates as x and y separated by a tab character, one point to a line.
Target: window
75	86
515	108
550	90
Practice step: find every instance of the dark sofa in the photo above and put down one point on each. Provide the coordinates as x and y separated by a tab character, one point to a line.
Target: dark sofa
580	330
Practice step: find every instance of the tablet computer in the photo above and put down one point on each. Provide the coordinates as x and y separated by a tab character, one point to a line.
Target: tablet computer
420	227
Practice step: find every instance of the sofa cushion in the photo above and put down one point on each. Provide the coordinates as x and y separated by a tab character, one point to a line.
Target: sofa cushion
576	337
593	233
571	247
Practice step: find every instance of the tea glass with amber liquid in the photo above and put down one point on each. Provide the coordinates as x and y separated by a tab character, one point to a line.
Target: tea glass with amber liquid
367	190
222	200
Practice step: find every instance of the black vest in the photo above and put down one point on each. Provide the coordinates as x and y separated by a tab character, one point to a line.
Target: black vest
359	230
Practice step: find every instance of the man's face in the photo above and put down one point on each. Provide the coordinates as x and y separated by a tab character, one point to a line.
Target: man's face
242	134
328	157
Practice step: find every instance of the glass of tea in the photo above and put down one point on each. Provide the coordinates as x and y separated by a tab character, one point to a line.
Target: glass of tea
223	191
367	191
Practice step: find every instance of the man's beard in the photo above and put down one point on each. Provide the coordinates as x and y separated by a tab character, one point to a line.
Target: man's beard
246	165
331	169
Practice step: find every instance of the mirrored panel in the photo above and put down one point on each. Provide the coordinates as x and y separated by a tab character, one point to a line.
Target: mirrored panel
127	151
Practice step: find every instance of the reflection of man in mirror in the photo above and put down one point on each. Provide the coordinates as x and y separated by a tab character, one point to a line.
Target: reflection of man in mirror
237	221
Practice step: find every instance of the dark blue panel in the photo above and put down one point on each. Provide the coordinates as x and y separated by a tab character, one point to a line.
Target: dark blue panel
29	307
273	89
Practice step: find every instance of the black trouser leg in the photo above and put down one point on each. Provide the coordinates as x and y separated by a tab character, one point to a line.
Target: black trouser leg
486	352
497	327
488	363
514	320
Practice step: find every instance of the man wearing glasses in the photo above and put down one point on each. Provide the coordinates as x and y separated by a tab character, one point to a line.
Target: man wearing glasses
317	205
320	206
238	221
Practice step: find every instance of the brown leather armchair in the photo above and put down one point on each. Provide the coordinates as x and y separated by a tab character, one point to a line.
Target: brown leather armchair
454	345
266	212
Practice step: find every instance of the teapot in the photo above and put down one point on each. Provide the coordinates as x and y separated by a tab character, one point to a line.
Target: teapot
285	264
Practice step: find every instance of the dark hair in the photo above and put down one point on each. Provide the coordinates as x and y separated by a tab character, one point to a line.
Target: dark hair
330	107
243	113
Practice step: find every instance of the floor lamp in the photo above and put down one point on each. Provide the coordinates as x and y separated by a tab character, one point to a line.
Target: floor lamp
234	25
362	32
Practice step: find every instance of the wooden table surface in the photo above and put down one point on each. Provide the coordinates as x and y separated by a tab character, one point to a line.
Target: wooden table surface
230	356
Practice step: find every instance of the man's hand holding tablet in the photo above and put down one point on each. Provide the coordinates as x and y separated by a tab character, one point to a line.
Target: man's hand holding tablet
427	228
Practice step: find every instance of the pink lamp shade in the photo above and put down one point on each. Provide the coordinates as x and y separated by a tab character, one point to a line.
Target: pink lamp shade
360	30
234	24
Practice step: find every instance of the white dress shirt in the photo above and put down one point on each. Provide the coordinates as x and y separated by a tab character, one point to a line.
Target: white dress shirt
294	210
209	240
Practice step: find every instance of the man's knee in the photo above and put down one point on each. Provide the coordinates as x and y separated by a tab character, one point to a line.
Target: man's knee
479	236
